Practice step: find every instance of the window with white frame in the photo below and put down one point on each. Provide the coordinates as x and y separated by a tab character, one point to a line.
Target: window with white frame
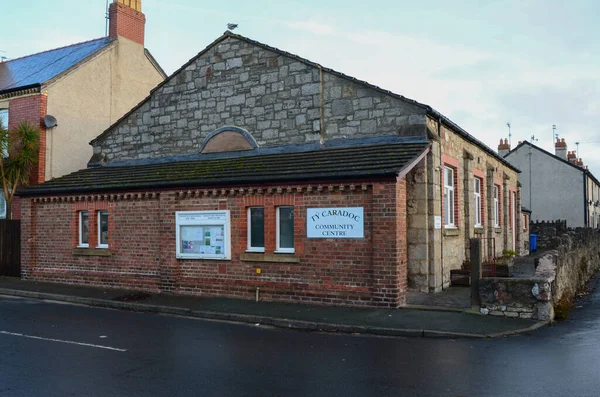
203	234
496	206
4	123
102	229
285	230
83	229
477	199
256	229
4	118
449	197
2	206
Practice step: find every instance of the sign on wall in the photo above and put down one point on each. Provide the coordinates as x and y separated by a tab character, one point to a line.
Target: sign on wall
203	234
335	222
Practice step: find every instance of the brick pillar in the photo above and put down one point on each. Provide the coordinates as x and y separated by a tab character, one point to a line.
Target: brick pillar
168	265
469	206
27	237
32	109
389	244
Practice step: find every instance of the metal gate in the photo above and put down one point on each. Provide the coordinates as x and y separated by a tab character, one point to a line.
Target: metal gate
10	248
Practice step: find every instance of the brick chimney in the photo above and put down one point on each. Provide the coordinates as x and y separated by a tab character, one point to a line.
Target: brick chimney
127	20
503	147
560	148
572	157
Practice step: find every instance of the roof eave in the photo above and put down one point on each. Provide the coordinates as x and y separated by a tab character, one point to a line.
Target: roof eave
455	127
24	90
384	174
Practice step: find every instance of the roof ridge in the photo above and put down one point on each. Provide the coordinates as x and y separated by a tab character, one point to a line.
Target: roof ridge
54	49
554	156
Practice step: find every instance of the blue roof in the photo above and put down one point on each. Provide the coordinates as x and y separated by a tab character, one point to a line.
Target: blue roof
38	68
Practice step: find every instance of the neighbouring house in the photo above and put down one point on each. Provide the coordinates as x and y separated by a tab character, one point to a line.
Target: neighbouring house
555	186
86	87
252	171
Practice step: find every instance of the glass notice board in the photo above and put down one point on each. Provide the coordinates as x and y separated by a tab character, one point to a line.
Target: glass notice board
203	234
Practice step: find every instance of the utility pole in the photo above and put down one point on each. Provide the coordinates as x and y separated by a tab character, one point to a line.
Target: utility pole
107	17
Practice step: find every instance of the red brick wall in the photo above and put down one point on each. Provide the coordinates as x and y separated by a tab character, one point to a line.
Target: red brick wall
142	244
32	109
126	22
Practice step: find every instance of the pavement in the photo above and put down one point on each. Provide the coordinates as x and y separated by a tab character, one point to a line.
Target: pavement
446	315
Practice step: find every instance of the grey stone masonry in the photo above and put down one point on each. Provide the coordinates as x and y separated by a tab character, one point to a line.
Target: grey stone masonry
274	96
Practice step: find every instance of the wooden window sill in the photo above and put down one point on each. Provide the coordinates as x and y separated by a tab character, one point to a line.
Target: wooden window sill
258	257
90	252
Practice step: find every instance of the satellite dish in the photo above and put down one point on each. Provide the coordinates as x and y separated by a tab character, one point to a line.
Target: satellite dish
50	121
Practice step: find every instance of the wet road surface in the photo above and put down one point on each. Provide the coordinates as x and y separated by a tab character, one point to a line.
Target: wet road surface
52	349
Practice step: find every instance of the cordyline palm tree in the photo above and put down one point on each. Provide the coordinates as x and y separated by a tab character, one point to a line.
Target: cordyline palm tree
18	157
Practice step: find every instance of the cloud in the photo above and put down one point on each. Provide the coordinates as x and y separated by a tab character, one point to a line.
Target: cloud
478	89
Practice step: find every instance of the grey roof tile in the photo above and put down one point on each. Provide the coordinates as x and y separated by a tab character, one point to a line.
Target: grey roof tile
356	162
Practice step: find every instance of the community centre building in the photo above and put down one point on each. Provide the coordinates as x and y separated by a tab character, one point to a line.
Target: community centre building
253	171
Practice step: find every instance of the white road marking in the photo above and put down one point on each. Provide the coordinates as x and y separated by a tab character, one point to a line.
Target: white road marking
63	341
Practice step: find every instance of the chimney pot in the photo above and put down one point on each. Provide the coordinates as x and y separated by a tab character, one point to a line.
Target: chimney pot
560	149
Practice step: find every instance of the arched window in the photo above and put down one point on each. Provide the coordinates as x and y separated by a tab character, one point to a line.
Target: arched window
228	139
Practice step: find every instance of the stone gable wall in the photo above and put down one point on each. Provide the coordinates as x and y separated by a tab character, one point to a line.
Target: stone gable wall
275	98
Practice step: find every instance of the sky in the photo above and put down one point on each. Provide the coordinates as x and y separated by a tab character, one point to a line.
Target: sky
481	63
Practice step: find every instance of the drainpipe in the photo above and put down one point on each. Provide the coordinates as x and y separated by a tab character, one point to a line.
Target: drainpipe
585	201
321	106
441	201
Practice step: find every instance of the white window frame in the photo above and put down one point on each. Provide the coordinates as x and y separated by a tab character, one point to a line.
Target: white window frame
203	219
250	247
496	206
449	199
4	119
100	213
477	200
3	208
278	249
81	244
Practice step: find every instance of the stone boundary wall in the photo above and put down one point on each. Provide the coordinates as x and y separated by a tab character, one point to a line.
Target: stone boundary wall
549	233
561	272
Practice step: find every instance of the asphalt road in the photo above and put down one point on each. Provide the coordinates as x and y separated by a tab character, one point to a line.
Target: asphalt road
51	349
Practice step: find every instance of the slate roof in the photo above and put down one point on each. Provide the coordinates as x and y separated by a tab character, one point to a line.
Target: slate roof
34	70
373	161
